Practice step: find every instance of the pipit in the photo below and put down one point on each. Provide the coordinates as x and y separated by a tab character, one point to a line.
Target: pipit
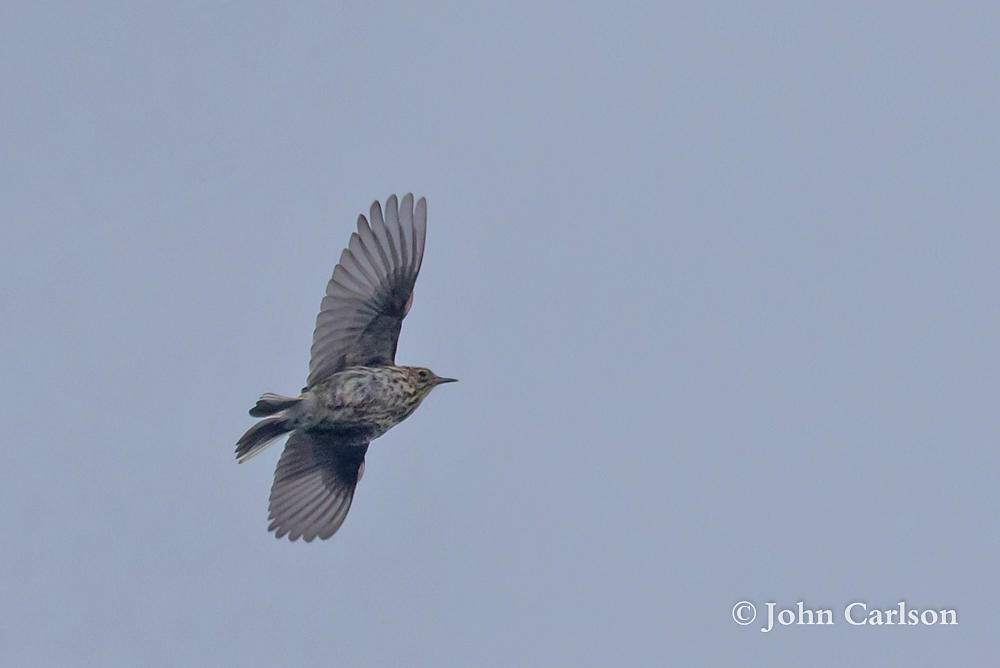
355	392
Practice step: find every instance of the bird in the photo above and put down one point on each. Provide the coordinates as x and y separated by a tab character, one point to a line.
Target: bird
355	392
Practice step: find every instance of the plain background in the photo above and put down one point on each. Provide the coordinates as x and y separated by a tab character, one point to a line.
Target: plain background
719	281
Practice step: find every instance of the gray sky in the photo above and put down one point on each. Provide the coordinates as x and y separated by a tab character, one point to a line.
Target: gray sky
719	281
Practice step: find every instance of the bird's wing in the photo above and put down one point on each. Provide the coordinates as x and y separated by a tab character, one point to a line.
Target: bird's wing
370	291
314	485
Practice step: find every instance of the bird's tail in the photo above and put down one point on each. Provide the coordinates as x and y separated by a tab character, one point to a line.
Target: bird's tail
270	403
259	437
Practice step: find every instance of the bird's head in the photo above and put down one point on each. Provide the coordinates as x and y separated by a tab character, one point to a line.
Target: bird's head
425	380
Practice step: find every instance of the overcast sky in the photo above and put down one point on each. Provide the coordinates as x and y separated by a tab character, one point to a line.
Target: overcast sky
719	281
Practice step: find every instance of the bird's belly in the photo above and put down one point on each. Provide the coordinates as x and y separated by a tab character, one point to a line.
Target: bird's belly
371	420
358	400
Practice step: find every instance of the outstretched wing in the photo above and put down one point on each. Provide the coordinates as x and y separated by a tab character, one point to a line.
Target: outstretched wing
314	485
370	291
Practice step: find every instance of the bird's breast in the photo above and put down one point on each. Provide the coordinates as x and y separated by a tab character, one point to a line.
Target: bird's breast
370	399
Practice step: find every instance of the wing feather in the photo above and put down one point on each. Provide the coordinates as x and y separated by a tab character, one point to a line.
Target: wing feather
314	484
370	290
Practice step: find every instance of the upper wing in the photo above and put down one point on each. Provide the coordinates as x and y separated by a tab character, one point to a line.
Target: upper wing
370	291
314	485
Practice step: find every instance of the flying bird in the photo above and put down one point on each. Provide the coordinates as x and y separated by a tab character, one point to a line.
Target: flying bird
354	392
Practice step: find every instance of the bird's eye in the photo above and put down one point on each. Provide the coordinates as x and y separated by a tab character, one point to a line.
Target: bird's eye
423	374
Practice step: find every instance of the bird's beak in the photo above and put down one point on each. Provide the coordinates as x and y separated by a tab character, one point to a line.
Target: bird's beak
441	380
